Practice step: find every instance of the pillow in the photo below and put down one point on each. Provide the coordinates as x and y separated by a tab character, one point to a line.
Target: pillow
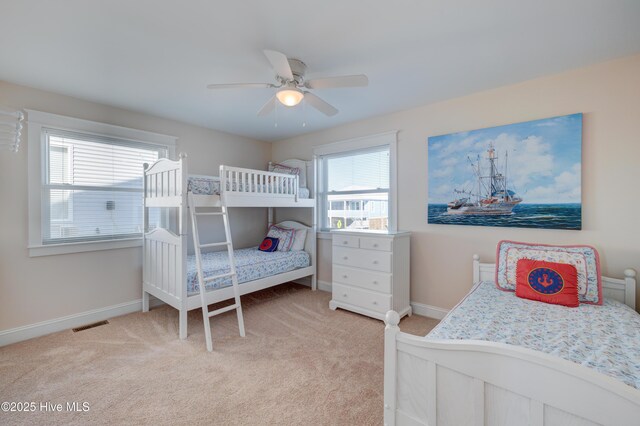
299	165
285	237
269	245
281	168
548	282
584	258
576	259
299	239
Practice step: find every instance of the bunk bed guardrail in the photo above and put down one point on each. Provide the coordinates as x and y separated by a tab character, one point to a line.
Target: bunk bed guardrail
257	182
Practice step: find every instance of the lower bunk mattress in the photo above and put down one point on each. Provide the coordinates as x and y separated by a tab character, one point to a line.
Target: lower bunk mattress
605	338
210	185
251	264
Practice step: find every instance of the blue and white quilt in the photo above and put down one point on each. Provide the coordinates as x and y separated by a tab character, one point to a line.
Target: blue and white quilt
605	338
210	185
251	264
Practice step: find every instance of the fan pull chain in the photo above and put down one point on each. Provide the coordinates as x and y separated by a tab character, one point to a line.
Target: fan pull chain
304	113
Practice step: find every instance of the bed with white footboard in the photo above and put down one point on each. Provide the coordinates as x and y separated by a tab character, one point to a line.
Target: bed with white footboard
497	359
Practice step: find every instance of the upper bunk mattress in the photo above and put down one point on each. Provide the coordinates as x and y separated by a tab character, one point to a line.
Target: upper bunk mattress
251	264
210	185
605	338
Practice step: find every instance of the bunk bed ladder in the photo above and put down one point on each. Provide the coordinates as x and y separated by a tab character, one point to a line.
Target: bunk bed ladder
202	280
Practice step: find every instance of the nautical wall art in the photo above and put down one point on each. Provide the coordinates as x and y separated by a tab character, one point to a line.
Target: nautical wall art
525	175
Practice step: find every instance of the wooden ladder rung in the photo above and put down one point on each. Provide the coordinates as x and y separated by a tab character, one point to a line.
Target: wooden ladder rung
208	213
224	243
215	277
223	310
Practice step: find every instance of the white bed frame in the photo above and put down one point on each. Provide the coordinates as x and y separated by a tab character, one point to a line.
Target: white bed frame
165	253
470	382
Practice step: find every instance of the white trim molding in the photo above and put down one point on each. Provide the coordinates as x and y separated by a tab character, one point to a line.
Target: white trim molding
36	122
429	311
324	286
53	249
362	142
43	328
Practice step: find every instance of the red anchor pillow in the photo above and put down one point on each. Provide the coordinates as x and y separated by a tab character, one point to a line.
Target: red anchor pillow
548	282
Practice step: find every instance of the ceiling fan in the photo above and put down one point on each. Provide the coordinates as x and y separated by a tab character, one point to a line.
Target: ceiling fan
292	85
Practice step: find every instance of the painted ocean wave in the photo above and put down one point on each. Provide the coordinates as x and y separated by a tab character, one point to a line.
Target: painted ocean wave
548	216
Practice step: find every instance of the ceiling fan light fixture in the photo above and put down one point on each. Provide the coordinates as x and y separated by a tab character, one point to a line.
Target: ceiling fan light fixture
290	96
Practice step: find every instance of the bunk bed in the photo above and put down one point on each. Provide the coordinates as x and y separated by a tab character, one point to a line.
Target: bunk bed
170	273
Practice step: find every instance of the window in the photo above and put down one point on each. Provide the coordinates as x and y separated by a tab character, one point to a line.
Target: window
355	188
86	193
93	187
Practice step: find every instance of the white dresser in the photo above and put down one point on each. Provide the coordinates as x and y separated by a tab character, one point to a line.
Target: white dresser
371	272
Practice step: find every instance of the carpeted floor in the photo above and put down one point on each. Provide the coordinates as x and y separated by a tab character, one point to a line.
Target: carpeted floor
301	363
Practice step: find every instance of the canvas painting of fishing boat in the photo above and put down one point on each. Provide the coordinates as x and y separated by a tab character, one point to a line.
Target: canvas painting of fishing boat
520	175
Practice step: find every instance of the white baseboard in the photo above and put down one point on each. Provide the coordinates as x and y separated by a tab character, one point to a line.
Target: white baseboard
324	286
27	332
428	310
418	308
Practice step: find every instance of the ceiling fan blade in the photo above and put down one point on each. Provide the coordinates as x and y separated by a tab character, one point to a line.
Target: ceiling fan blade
268	107
319	104
279	63
241	86
360	80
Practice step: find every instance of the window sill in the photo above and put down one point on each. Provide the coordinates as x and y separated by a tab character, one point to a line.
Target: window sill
55	249
323	235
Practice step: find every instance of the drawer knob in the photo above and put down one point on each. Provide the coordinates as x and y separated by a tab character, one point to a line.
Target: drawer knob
375	282
344	295
375	303
344	276
345	242
375	262
375	245
345	258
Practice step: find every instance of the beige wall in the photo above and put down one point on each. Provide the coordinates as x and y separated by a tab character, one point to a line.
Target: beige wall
609	96
44	288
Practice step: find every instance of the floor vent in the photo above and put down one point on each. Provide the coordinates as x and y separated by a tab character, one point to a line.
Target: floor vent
88	326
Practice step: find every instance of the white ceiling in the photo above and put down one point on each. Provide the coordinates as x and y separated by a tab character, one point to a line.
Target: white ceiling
157	56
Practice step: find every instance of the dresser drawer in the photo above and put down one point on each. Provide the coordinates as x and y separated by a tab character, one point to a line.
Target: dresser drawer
376	281
365	299
360	258
370	243
345	241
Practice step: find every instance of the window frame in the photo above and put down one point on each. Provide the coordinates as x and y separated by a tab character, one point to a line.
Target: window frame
38	123
361	144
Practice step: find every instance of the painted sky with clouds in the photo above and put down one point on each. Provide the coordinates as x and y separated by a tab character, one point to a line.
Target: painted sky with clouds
544	160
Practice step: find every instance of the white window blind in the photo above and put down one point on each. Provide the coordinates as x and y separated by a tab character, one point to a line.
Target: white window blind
354	192
92	189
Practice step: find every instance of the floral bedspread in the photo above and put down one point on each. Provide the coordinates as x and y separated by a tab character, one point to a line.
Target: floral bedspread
251	264
605	338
